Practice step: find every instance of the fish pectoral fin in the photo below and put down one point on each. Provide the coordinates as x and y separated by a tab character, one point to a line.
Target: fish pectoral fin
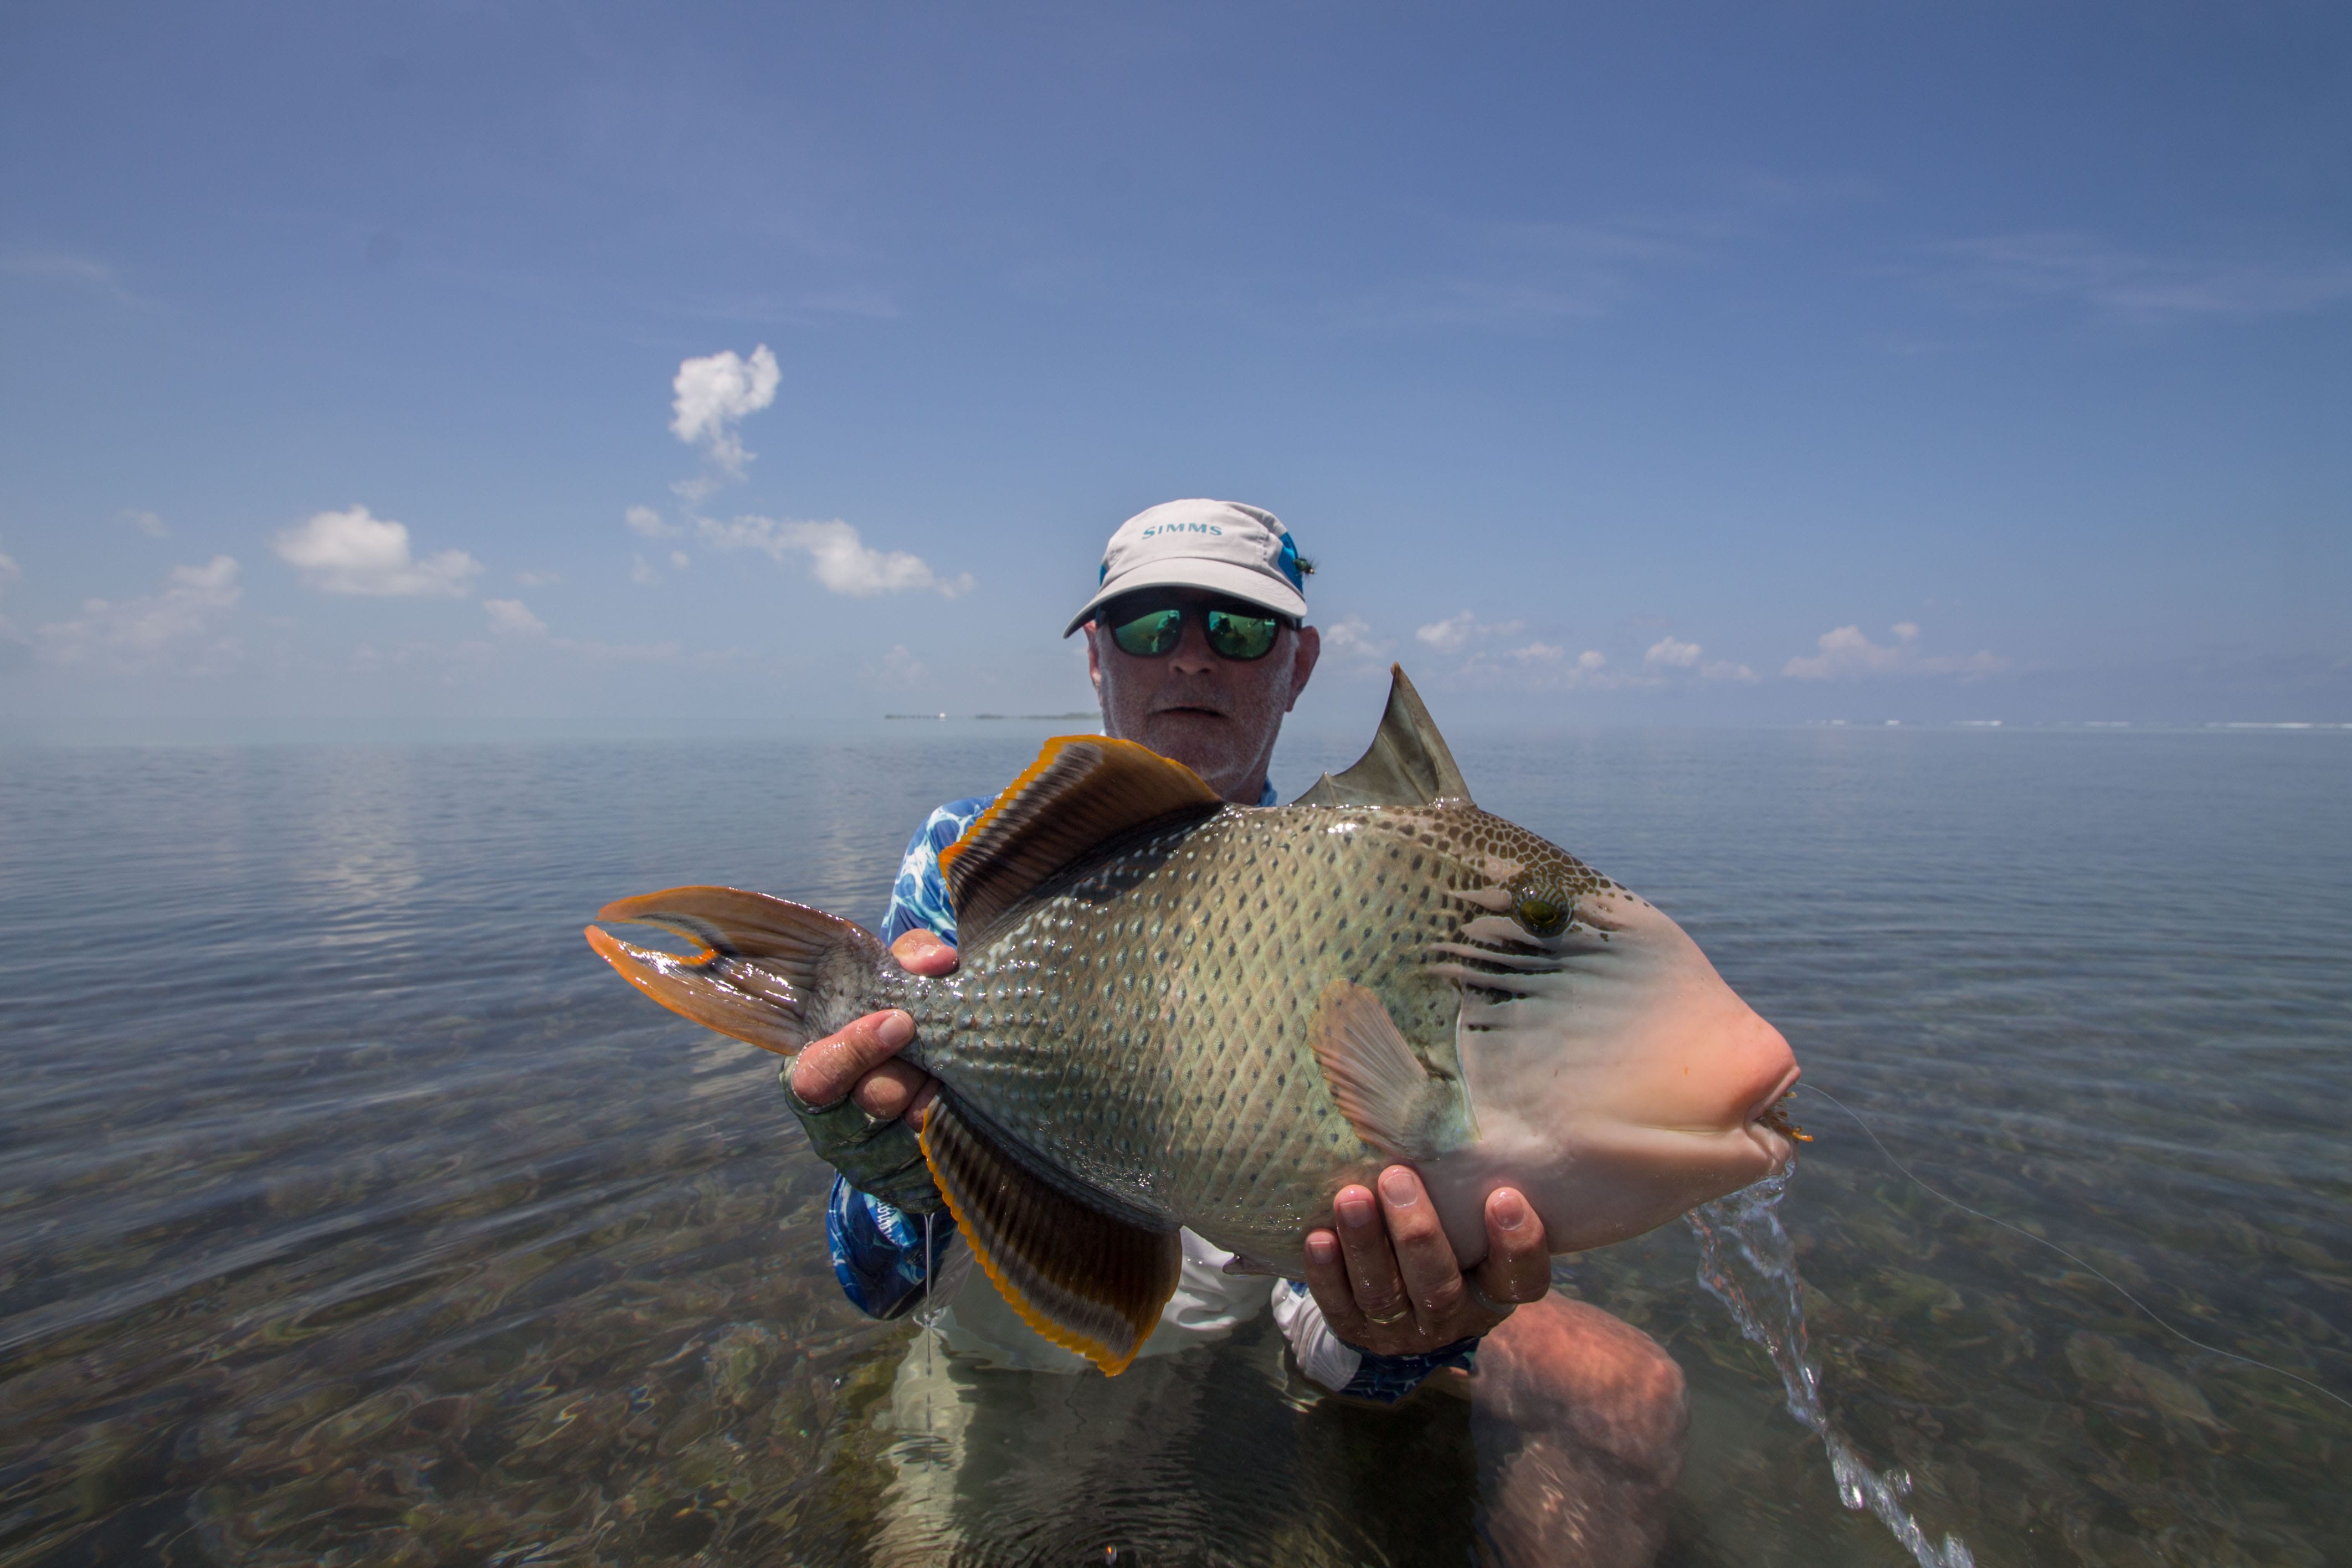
1090	1281
762	960
1082	791
1406	765
1396	1104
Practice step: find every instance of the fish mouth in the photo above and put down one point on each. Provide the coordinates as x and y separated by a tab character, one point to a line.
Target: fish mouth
1769	1123
1770	1103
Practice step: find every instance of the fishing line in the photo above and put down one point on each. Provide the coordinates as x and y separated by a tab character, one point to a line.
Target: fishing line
2153	1316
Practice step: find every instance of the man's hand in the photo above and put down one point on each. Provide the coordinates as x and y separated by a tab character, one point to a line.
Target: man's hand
859	1060
860	1105
1387	1280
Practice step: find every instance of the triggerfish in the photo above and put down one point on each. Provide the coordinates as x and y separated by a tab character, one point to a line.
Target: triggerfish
1173	1011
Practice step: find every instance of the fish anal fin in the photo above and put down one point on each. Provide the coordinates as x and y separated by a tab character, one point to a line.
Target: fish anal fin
1081	792
1091	1282
1406	765
1394	1103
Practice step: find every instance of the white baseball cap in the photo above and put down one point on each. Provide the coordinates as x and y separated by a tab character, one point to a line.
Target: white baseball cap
1220	546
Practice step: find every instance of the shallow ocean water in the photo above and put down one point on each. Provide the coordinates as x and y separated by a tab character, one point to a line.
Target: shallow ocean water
350	1212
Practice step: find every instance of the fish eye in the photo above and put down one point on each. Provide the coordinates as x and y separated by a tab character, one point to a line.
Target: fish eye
1539	916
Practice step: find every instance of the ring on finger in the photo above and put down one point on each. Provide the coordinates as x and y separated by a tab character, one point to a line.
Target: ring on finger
1498	1308
1392	1319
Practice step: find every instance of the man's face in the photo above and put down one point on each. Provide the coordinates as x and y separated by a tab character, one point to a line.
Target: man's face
1218	716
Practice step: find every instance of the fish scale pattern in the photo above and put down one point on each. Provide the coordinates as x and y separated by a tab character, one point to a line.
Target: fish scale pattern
1142	1026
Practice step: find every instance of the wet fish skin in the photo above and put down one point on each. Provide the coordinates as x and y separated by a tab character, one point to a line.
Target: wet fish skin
1172	1011
1144	1029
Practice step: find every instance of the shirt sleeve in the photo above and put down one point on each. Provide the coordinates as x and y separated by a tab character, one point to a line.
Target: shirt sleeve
878	1252
883	1256
1340	1367
919	898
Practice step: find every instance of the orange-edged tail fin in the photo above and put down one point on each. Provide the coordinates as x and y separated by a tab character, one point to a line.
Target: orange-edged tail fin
769	971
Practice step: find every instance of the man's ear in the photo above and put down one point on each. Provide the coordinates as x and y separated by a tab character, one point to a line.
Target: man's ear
1094	658
1309	649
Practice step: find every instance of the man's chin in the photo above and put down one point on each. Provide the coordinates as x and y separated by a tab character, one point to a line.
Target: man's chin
1200	740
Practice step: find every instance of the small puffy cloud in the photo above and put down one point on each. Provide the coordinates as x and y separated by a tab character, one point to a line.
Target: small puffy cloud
180	626
899	668
647	523
1668	653
641	573
512	618
714	394
538	578
1456	632
1845	653
1351	636
679	560
352	552
844	562
9	571
147	523
1542	667
1725	670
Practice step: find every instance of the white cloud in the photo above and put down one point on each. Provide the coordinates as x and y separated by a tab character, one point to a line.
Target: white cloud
1846	653
641	574
538	578
511	617
147	523
2124	283
84	271
1351	636
900	668
646	522
1457	631
352	552
714	394
1725	670
679	560
9	571
1545	666
1672	654
181	623
841	561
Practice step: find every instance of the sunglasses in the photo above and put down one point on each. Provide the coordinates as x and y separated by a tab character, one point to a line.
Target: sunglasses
1233	634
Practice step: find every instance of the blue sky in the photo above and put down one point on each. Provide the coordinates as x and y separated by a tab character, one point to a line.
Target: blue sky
1697	363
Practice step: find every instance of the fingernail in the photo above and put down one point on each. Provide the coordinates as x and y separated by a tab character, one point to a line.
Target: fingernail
894	1029
1322	1247
1510	1209
1355	1207
1398	1187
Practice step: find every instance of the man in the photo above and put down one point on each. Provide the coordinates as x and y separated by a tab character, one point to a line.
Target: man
1198	645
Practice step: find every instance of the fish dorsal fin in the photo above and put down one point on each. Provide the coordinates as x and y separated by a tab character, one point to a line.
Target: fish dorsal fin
1090	1281
1407	764
1082	791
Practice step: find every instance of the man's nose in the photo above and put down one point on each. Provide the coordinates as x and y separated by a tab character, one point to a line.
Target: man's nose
1192	655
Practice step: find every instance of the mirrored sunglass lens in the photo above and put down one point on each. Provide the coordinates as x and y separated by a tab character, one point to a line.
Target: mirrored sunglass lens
1150	633
1241	636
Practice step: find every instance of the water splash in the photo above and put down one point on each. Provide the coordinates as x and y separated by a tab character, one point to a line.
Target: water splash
1746	1262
